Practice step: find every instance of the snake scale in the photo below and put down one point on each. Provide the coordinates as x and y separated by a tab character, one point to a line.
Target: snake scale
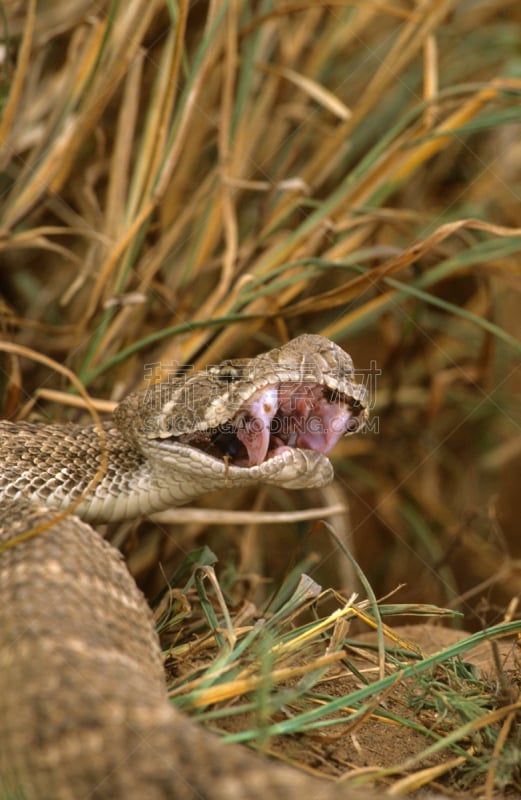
83	707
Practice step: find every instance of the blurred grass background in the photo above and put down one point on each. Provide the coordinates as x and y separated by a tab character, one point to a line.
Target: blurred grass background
183	182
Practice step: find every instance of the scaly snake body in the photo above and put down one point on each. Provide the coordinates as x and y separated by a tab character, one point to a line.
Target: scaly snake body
83	707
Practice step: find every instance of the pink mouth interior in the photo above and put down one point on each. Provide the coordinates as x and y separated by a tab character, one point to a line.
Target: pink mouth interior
282	416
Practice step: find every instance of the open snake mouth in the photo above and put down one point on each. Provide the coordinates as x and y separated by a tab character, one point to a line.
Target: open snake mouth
279	417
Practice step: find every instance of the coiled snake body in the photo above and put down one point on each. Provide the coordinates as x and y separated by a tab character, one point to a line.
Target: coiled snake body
83	707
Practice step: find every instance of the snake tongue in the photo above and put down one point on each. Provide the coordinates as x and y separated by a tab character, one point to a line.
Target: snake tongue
253	424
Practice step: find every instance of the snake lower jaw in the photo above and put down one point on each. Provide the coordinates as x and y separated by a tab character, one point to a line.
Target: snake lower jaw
289	467
302	469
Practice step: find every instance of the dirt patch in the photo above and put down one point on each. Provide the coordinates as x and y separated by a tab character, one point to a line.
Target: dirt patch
388	738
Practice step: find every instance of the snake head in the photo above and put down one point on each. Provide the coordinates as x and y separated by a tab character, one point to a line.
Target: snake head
271	419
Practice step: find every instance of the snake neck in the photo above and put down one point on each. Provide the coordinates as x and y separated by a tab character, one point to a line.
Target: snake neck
95	472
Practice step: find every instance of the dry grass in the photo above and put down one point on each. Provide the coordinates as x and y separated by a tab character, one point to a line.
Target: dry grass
290	679
183	183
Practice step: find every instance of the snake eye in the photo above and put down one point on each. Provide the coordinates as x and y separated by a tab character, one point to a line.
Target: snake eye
227	372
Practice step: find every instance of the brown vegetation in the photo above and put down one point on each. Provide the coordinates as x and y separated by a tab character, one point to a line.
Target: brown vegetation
181	183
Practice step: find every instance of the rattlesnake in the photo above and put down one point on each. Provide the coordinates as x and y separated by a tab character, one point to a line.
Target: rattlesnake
83	707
